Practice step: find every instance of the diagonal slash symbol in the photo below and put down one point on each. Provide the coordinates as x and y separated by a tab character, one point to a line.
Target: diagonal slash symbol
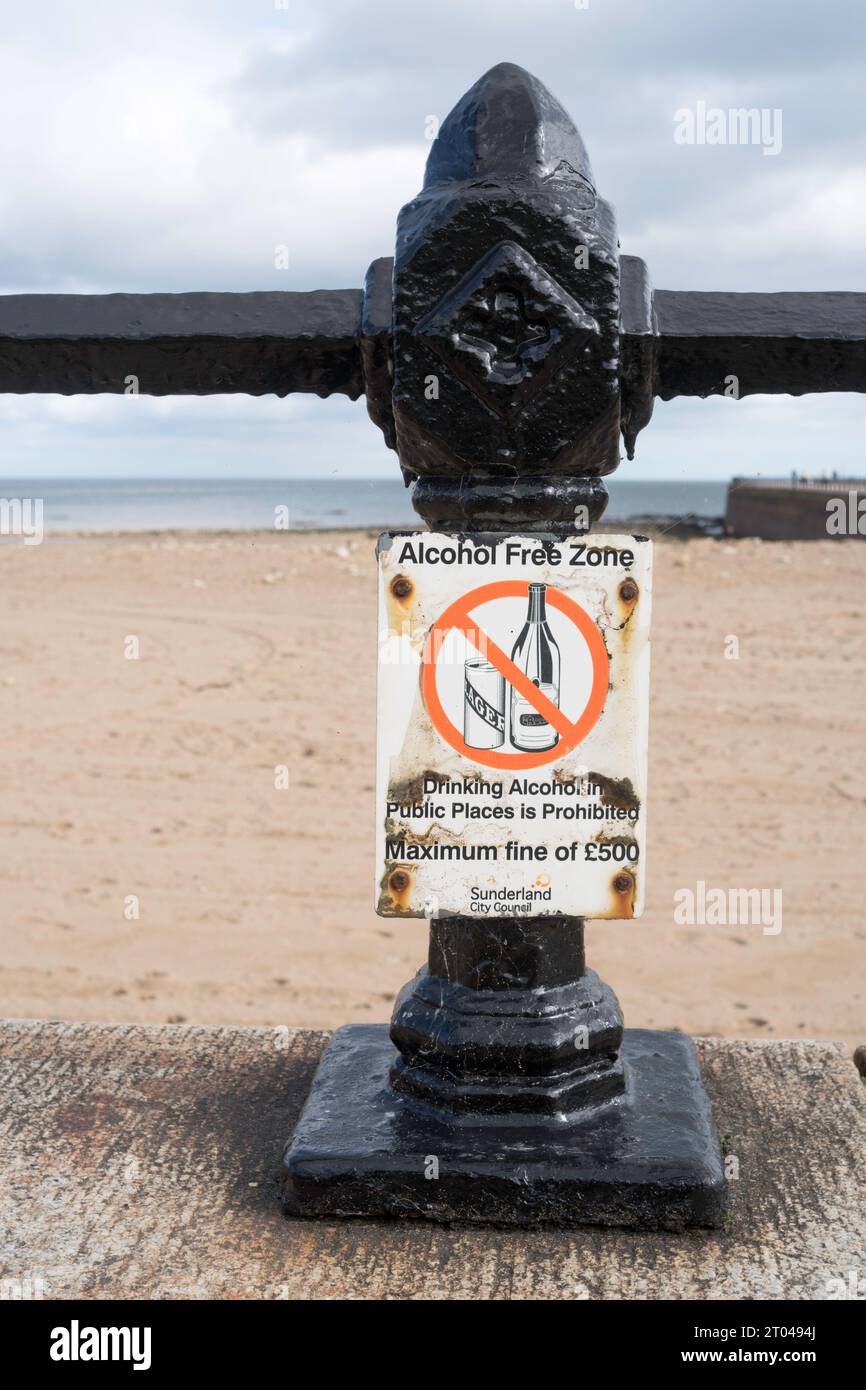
457	618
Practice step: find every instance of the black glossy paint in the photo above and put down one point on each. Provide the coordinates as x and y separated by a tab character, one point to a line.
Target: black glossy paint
772	343
182	344
505	1018
476	503
505	349
506	1058
646	1160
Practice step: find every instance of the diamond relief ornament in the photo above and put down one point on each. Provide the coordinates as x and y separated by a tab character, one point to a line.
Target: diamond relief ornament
506	328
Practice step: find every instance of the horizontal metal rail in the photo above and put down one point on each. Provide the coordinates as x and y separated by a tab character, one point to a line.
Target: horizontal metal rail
788	344
277	342
196	344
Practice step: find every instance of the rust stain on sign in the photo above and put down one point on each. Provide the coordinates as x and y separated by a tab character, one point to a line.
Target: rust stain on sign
629	593
624	889
401	605
617	792
396	885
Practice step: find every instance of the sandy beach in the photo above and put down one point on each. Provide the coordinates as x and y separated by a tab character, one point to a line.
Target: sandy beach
146	786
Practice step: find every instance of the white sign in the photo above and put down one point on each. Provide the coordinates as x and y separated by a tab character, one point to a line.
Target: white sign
512	725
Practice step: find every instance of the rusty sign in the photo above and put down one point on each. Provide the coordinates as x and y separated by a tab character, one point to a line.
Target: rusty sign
512	725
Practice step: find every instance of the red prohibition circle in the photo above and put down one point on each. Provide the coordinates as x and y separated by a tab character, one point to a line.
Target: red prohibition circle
457	616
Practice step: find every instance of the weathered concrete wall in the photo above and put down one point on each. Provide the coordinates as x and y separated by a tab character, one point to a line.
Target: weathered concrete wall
788	511
140	1162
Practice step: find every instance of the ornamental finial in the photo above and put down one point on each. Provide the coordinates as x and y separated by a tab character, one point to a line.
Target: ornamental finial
508	125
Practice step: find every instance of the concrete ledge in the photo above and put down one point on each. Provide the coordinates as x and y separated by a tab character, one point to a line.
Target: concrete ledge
140	1162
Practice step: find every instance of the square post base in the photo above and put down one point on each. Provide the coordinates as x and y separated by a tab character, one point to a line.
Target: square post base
648	1160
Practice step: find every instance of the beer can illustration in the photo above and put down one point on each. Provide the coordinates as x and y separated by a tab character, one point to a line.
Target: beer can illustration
484	705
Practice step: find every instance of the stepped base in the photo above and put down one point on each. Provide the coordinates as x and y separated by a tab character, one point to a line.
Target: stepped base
649	1159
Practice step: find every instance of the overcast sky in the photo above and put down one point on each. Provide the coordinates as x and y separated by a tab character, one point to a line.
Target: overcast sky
172	145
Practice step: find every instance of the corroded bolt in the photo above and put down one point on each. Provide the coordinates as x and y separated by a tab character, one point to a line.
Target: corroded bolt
623	883
401	587
628	591
399	881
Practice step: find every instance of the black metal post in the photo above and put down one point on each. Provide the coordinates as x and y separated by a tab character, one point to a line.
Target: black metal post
504	1069
505	1019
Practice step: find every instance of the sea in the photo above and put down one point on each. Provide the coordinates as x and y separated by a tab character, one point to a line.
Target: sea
253	504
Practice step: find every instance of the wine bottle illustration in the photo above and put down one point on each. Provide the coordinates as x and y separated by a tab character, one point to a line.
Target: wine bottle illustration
537	655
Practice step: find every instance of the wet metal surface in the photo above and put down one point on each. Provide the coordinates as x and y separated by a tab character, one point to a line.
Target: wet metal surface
647	1158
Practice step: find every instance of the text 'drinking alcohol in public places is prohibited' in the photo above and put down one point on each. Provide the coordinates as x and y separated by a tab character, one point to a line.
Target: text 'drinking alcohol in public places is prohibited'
512	725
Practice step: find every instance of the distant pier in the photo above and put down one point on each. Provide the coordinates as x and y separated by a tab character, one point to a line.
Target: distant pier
796	509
